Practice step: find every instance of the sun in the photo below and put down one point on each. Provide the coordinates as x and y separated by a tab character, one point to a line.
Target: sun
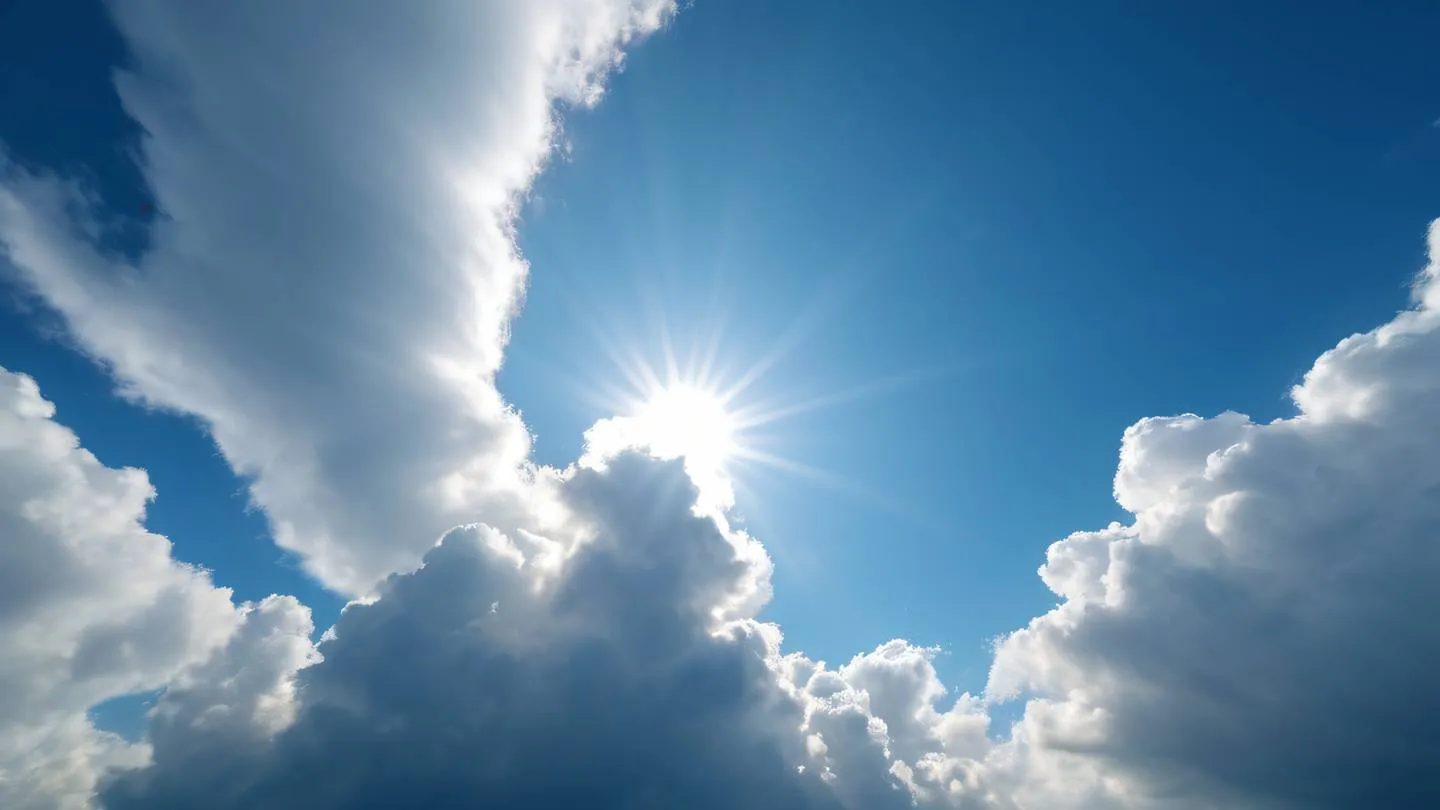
683	420
708	411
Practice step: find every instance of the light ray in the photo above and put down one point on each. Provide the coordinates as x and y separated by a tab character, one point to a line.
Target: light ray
712	349
686	398
798	330
667	345
684	411
753	416
834	483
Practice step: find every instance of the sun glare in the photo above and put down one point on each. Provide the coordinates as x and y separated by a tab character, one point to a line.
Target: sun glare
684	420
710	414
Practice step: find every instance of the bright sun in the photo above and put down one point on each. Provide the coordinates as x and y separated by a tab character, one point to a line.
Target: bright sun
684	420
701	410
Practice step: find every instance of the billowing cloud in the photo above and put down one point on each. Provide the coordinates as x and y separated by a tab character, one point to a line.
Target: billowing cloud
594	669
1260	635
618	664
91	605
329	292
329	286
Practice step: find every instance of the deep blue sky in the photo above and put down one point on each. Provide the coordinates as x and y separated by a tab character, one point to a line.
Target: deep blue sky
1085	213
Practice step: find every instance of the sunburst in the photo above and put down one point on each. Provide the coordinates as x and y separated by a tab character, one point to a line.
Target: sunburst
711	413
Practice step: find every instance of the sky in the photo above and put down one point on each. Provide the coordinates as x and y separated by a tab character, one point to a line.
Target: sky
1056	422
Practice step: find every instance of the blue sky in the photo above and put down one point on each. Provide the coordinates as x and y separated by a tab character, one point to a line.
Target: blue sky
986	238
1082	220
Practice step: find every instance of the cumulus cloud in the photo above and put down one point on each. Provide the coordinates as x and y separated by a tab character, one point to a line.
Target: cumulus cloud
329	292
496	674
1260	635
329	286
616	664
91	605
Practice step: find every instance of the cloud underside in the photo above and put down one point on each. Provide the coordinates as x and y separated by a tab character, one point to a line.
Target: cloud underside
328	292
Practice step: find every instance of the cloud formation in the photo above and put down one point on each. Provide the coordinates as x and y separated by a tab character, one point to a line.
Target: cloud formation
329	293
91	605
1260	635
618	664
330	286
522	674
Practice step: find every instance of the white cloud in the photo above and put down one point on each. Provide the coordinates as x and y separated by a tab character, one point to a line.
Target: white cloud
91	605
330	295
331	288
1262	635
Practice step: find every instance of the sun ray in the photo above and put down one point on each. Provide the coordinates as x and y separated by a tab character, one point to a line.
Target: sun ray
712	349
759	415
667	345
685	397
804	324
834	483
624	359
797	331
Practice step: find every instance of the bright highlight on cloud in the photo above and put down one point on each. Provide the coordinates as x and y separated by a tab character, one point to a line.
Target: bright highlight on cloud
686	421
676	421
330	295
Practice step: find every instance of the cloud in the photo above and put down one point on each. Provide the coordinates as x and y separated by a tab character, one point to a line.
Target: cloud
330	293
496	674
91	605
1262	634
330	287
